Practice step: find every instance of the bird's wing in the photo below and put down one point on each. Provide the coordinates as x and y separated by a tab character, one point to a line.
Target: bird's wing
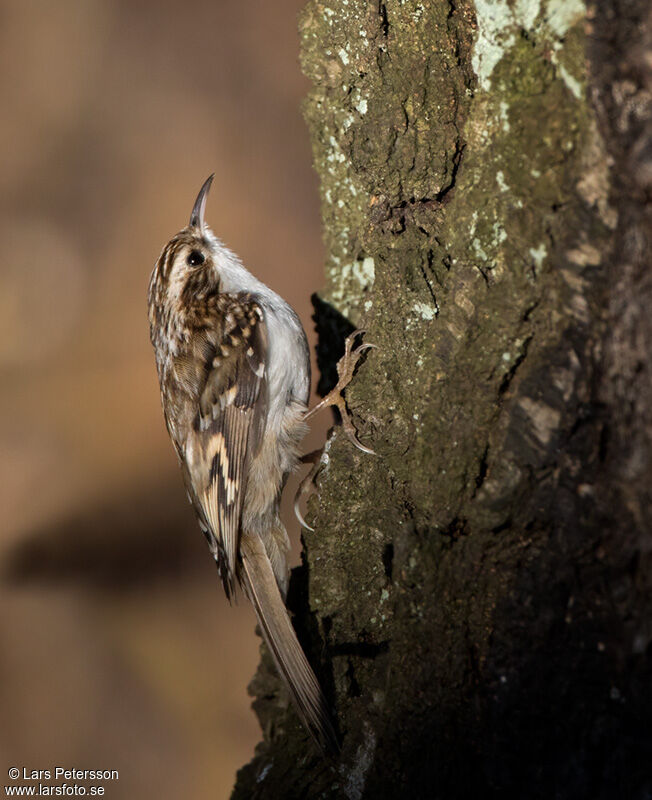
229	427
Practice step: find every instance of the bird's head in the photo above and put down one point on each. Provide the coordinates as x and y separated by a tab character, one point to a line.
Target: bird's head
193	265
188	264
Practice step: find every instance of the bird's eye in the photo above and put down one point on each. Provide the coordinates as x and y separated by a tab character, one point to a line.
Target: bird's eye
195	258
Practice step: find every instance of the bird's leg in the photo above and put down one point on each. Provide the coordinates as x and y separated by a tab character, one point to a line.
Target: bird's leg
319	458
345	369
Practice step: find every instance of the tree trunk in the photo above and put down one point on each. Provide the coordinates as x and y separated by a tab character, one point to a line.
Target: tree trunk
477	597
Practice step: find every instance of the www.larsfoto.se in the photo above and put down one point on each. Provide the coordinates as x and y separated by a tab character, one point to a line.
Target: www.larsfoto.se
65	790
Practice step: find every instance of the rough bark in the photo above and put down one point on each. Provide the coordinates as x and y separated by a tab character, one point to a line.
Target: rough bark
477	598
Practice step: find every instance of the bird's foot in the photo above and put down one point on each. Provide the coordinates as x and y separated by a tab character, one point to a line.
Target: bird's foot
319	458
345	369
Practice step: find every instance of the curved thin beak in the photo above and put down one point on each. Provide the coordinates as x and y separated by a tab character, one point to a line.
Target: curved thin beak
197	216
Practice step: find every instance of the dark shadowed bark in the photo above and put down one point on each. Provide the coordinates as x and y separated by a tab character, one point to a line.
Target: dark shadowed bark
477	597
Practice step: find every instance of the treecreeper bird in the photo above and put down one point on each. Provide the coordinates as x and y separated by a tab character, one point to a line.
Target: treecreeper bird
234	370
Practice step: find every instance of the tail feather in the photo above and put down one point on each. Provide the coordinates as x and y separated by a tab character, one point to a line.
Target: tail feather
291	662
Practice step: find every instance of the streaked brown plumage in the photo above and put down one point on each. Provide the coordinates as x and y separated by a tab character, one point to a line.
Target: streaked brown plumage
233	367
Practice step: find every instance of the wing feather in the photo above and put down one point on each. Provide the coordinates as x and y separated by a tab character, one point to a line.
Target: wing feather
229	429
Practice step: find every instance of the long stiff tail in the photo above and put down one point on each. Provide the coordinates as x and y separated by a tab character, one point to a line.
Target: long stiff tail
261	588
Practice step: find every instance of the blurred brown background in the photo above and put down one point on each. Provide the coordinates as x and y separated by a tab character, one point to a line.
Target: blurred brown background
118	649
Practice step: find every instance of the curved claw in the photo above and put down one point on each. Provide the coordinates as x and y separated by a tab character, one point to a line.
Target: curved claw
362	348
350	339
360	446
352	436
299	515
315	458
349	361
351	358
